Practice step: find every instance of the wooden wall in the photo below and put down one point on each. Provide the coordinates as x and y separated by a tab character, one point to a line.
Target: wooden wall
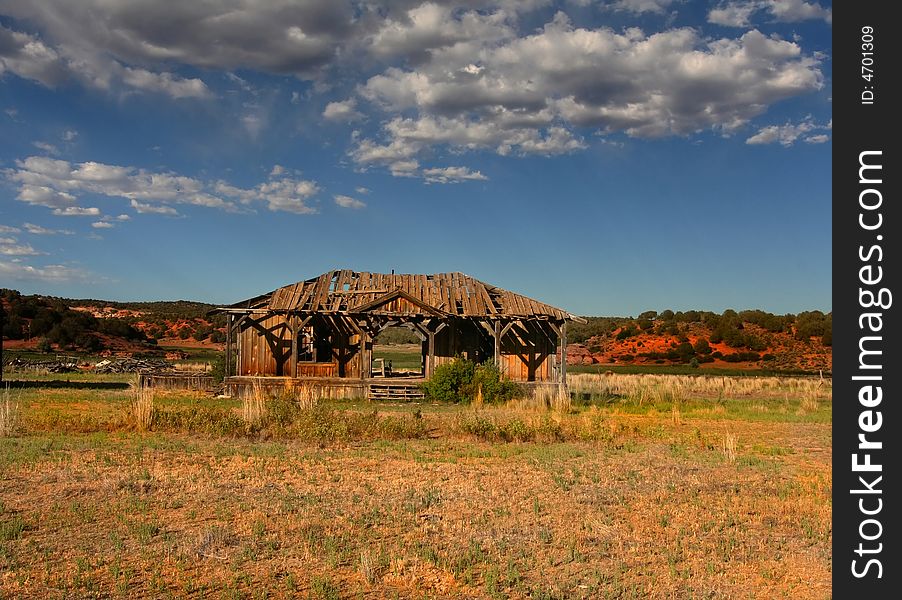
264	348
528	348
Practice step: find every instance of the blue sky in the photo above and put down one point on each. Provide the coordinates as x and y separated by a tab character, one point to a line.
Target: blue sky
605	157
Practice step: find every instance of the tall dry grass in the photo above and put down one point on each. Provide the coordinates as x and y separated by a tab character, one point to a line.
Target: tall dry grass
253	405
555	399
142	405
9	414
307	396
676	388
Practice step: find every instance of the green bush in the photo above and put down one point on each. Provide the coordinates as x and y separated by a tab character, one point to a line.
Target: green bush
449	381
495	388
461	380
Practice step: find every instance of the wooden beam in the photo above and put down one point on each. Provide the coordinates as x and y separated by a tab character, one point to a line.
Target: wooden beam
430	358
294	346
227	372
564	353
498	343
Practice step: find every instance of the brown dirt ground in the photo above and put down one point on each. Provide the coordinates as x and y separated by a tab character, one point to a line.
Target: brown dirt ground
666	515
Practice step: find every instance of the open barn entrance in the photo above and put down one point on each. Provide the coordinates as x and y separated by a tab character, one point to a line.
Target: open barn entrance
398	352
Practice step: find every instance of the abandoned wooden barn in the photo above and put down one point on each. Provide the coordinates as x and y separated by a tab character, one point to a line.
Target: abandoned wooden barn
320	332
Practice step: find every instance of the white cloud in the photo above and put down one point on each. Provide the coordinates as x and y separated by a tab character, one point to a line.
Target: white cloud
432	25
286	194
528	95
102	225
165	83
740	14
362	190
279	36
349	202
153	209
791	11
734	14
77	211
9	229
69	135
28	57
452	175
642	6
48	148
344	111
18	271
57	183
12	247
277	170
38	230
788	134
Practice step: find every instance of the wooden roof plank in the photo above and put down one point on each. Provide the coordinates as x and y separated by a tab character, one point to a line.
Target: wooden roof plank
443	291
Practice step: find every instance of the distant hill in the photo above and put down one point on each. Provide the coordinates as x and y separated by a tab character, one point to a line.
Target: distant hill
50	323
745	339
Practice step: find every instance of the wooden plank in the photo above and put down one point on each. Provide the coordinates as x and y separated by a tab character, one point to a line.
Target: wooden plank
321	291
564	353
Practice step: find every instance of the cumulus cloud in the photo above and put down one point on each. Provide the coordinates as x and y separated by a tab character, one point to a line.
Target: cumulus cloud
344	111
9	229
102	225
452	175
788	134
434	25
77	211
31	58
38	230
144	208
739	14
19	271
28	57
791	11
10	246
642	6
48	148
349	202
164	83
280	36
734	14
528	95
56	184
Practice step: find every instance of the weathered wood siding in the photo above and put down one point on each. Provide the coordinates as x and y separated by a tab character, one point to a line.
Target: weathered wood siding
264	348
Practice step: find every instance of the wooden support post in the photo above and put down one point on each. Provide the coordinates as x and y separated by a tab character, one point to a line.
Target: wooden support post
430	359
227	372
564	353
498	343
294	346
366	363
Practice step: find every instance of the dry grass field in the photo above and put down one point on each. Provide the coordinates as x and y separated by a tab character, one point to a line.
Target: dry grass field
638	486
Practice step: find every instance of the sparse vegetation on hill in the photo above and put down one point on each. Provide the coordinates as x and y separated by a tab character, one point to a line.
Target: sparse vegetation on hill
51	322
762	339
95	325
749	338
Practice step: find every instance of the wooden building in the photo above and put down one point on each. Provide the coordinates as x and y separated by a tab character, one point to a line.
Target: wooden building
321	331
